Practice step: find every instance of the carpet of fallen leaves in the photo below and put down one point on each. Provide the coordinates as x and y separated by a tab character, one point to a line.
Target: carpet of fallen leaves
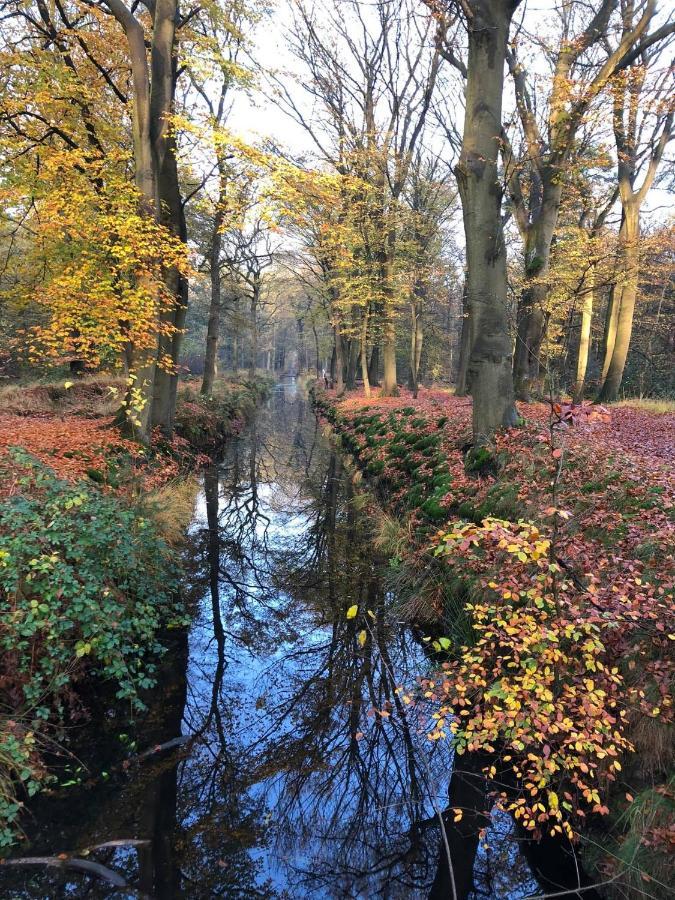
77	447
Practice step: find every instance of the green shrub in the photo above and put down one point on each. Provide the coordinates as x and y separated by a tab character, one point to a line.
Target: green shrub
83	577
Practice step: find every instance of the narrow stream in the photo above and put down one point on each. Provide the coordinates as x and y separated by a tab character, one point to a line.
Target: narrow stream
291	786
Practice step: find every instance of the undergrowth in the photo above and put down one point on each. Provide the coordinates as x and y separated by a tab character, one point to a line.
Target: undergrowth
86	582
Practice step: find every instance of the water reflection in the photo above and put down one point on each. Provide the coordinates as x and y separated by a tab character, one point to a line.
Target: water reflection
345	803
306	775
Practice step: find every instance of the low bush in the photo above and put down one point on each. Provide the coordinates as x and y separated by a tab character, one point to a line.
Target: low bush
85	582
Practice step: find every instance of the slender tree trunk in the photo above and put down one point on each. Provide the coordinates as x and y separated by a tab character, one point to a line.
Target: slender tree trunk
389	378
255	296
416	338
302	349
213	326
352	362
364	352
316	348
339	361
490	359
584	339
462	383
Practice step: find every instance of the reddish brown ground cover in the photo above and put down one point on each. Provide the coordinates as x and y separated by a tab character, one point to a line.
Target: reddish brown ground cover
561	540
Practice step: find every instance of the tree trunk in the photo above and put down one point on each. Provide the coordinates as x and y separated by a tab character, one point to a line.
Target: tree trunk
490	358
416	338
374	367
213	326
389	382
533	315
302	350
316	348
255	296
626	307
584	339
339	361
169	345
364	353
389	378
462	387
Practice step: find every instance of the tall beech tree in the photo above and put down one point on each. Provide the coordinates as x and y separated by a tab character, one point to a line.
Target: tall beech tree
151	45
490	356
101	250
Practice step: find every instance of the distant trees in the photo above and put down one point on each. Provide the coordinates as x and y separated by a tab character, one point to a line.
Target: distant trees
122	182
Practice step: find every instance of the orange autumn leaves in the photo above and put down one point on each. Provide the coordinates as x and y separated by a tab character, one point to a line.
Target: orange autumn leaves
69	445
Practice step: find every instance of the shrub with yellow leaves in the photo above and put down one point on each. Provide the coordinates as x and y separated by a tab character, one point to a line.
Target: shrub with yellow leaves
535	688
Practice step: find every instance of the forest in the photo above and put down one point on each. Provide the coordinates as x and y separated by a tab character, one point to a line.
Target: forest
337	418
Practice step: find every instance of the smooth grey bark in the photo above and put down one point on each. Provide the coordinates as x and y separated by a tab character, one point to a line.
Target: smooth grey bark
153	76
584	339
627	101
490	358
462	381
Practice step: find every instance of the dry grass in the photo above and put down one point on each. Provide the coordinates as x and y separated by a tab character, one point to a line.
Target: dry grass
93	396
650	405
171	507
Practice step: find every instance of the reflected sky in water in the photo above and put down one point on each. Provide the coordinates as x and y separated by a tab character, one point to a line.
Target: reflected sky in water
291	786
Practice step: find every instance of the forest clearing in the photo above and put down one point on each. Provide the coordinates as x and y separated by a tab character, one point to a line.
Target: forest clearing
337	419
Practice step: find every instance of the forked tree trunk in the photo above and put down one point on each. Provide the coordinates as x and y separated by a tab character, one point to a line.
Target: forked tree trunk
490	358
626	307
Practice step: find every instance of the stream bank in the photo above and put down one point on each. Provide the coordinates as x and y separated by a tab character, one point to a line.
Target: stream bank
541	571
89	581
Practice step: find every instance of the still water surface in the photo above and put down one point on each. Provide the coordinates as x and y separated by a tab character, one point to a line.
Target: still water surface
289	786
